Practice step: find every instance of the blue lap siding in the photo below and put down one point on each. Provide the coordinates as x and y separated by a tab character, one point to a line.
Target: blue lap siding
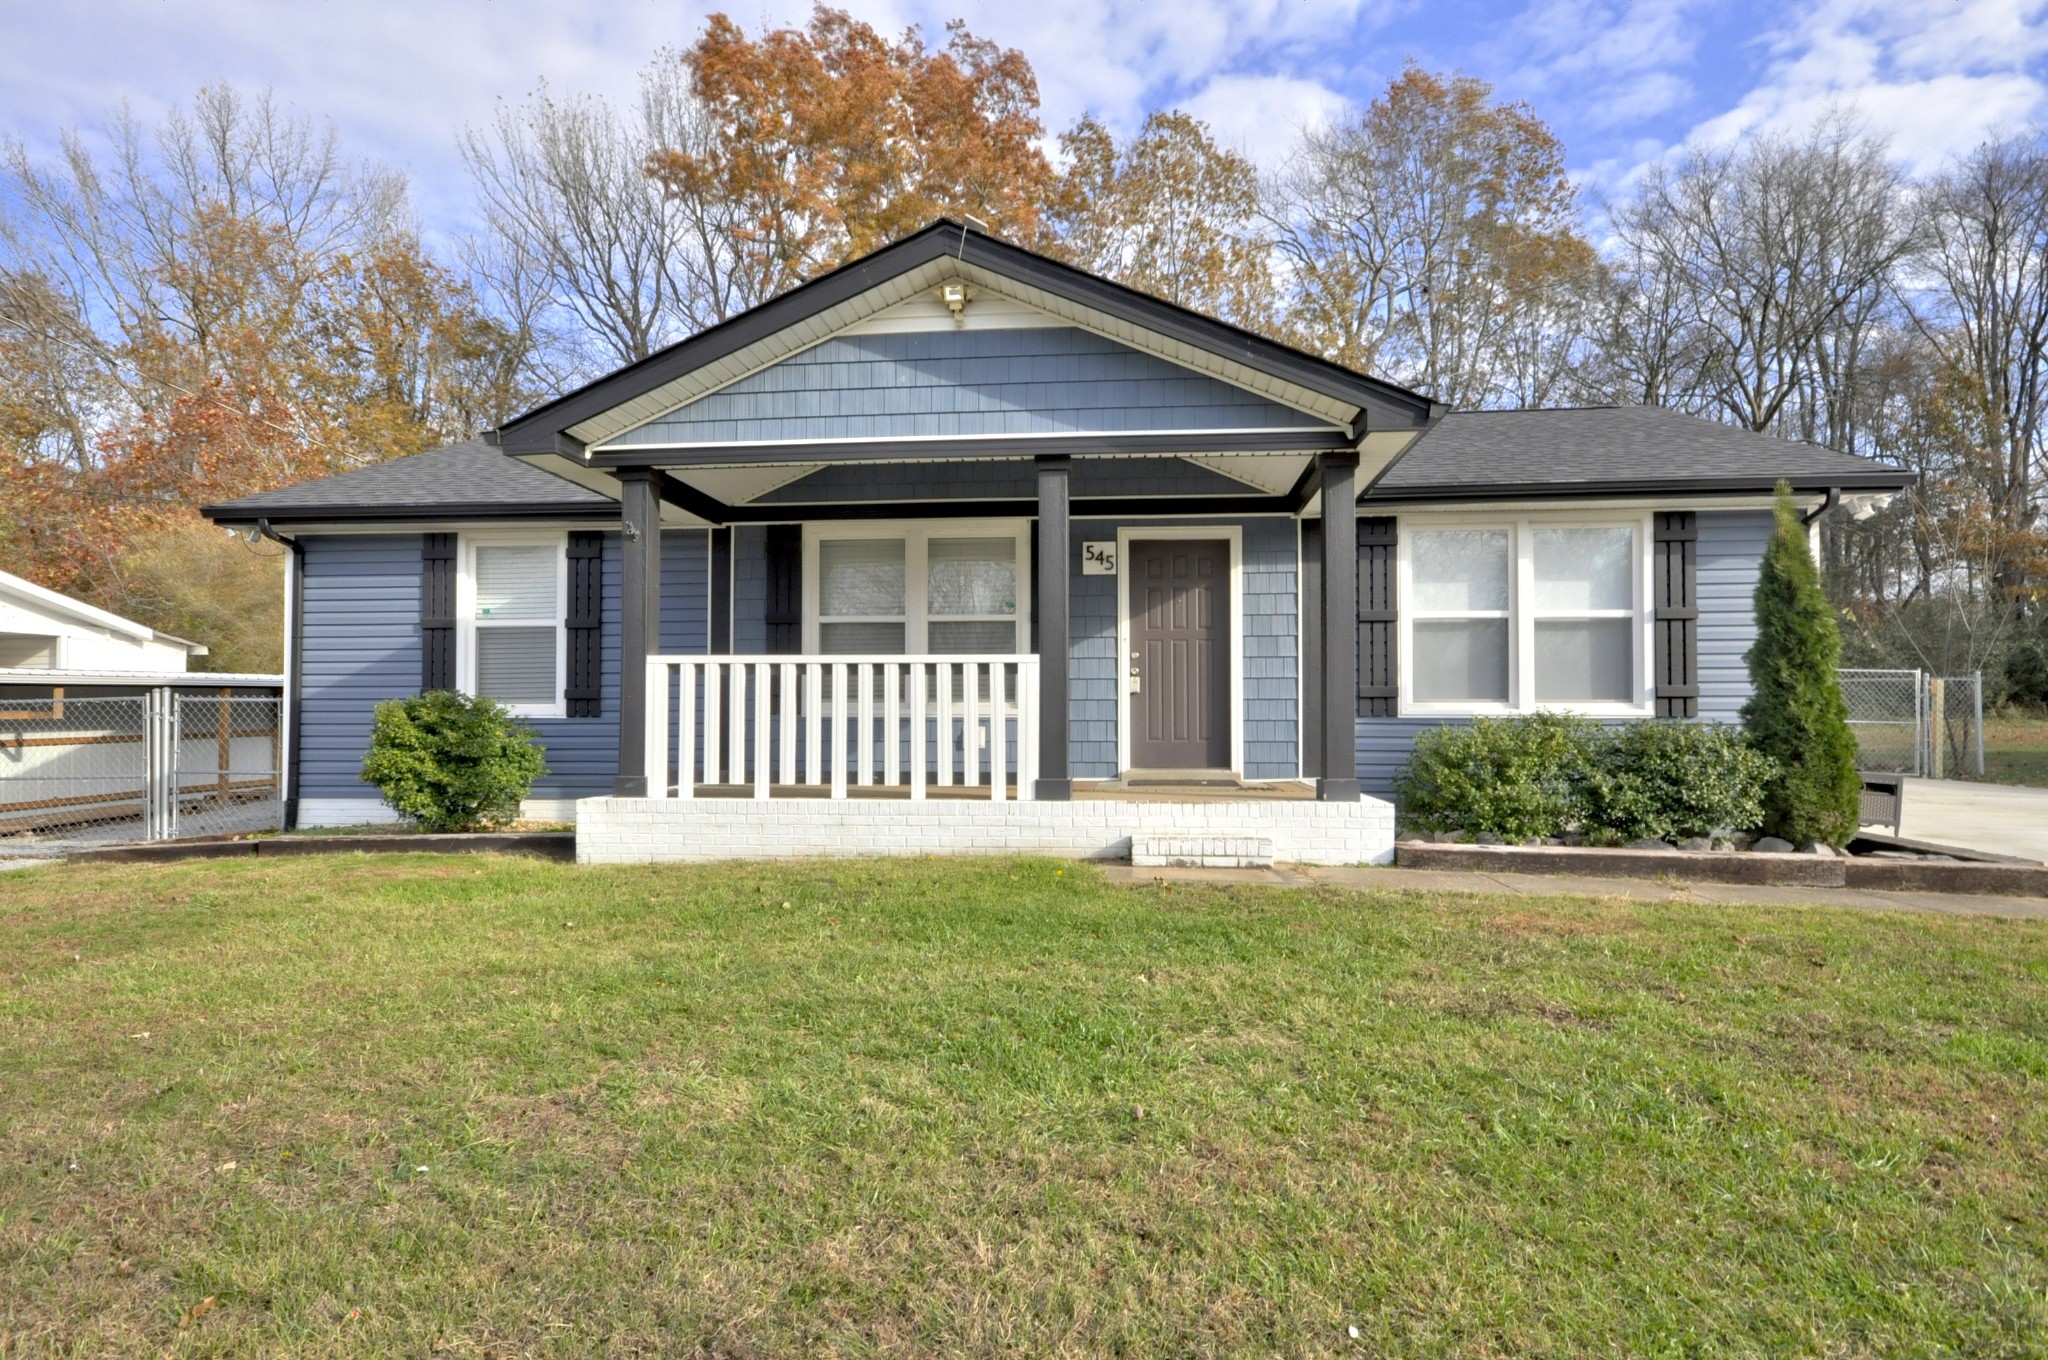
1731	549
362	646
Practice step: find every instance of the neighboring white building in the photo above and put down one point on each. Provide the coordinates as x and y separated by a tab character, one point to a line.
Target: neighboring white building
42	630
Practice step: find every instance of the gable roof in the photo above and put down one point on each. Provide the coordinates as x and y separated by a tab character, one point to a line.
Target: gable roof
26	595
949	249
456	481
1609	450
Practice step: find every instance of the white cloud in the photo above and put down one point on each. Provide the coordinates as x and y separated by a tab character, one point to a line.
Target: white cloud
1933	77
1261	116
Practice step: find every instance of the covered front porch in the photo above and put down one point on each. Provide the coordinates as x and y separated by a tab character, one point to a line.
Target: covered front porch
804	717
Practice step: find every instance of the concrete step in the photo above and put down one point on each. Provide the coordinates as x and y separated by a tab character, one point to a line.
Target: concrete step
1181	850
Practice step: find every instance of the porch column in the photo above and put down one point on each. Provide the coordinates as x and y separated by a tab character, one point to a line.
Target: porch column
1339	780
639	620
1055	599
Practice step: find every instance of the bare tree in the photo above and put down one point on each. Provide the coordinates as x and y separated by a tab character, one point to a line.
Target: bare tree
1750	275
1436	240
1985	309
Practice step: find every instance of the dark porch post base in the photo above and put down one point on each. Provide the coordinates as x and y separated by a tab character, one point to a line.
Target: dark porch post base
640	623
1339	781
1054	603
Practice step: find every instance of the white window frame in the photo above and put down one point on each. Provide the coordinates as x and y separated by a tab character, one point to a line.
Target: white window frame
466	622
916	536
1522	613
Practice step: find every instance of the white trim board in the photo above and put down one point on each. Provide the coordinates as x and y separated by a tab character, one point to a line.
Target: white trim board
1234	536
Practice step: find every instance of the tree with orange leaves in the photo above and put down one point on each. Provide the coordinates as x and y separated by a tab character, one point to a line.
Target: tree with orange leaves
831	140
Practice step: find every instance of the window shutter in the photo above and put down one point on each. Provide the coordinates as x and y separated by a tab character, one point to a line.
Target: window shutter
585	622
1675	582
785	552
1378	618
437	612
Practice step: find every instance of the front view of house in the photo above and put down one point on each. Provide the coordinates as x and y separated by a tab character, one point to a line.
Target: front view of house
960	548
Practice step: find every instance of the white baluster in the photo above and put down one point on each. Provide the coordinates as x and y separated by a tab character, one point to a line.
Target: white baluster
686	726
945	670
892	703
998	723
764	728
919	672
814	708
787	714
714	720
839	753
654	745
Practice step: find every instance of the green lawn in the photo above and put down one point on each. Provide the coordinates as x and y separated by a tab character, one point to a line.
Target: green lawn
477	1106
2016	748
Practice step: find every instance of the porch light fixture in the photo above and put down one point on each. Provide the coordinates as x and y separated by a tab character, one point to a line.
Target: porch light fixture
955	297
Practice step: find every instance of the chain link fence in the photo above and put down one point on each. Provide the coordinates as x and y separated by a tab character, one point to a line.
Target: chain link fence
1910	722
154	766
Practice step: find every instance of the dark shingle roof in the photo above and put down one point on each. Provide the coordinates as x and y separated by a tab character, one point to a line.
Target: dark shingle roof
470	478
1609	449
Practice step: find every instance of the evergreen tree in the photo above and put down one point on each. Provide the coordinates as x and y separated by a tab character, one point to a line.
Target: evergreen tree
1795	713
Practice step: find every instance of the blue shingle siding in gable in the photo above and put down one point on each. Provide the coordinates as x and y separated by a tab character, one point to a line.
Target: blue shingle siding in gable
361	646
1731	552
1731	549
1268	684
1056	379
987	480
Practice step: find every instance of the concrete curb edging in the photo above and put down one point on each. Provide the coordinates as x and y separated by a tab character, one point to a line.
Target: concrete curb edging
1804	871
559	845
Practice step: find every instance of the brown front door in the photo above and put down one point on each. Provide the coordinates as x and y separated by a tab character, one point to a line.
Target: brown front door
1180	654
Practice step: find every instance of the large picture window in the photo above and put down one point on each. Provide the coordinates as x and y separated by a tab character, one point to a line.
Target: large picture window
953	589
512	623
1523	615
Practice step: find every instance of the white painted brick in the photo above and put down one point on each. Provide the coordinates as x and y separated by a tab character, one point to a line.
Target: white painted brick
637	830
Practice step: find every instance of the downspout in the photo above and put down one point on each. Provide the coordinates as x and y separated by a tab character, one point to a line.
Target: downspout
1834	499
294	645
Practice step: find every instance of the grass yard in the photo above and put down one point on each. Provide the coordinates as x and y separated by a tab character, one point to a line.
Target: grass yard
2016	748
477	1106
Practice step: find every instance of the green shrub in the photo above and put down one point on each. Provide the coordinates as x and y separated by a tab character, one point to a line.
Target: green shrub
1514	777
450	762
1672	780
1795	714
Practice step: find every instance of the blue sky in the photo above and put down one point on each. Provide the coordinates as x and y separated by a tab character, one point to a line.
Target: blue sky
1621	81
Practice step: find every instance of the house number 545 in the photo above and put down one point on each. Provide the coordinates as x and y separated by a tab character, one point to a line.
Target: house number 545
1098	559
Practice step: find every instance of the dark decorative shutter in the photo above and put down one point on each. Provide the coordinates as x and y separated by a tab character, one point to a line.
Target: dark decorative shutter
437	612
785	552
1677	626
585	622
719	625
1378	618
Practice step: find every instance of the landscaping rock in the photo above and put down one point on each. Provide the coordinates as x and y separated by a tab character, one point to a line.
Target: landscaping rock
1486	838
1771	845
1649	843
1552	840
1446	837
1697	843
1725	843
1824	850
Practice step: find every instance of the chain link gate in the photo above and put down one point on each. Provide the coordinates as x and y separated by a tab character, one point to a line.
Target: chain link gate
154	766
1910	722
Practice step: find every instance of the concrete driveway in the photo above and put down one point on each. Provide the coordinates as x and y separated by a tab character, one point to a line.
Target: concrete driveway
2005	819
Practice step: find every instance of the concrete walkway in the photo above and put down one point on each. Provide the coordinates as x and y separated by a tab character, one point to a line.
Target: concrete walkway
1566	885
2004	819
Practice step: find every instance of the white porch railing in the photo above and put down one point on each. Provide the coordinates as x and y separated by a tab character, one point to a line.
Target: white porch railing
844	722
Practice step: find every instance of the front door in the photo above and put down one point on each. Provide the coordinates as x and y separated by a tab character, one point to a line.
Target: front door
1179	666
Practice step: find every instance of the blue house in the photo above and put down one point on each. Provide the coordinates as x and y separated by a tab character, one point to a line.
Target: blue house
960	547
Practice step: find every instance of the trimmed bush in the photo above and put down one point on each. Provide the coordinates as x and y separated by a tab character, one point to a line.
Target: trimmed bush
1796	714
1513	777
451	763
1672	780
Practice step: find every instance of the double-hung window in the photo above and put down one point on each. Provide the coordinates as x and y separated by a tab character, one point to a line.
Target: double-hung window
1524	614
952	589
510	605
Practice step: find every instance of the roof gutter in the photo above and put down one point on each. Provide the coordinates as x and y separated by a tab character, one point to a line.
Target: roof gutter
1834	499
